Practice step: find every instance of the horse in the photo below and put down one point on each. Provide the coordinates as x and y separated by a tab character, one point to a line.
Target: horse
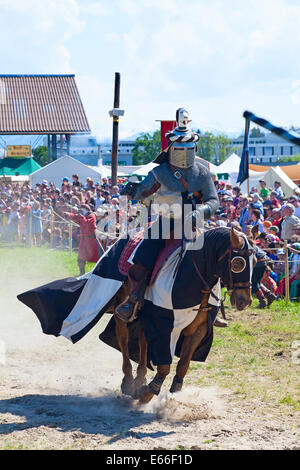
227	256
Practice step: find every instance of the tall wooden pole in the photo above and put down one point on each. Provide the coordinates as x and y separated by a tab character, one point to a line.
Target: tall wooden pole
115	138
49	149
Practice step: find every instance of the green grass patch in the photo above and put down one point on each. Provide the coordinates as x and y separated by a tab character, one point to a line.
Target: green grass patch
41	264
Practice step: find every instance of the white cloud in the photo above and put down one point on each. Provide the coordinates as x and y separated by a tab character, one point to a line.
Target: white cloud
216	58
41	31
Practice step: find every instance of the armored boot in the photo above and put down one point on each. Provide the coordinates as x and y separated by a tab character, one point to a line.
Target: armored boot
268	295
138	277
262	300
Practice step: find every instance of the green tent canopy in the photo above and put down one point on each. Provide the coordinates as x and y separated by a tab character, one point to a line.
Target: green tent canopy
18	166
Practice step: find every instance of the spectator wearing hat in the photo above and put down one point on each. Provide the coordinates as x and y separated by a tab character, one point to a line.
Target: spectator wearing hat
222	186
289	222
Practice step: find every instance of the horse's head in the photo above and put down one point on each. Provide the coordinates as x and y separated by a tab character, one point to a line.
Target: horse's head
241	261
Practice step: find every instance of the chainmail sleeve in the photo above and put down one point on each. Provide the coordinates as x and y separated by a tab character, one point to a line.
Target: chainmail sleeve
209	195
140	191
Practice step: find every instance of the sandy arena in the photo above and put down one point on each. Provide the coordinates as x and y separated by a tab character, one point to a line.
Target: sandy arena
55	395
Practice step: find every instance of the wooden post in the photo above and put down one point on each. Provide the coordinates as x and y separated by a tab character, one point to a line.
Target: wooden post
61	143
70	238
49	148
287	274
54	153
68	139
115	138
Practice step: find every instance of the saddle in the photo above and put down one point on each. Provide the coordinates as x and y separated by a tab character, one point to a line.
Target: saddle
124	264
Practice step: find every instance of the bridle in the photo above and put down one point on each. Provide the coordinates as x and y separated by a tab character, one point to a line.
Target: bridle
231	286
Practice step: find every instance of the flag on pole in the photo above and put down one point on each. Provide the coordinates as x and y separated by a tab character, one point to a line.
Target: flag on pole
244	165
166	126
276	130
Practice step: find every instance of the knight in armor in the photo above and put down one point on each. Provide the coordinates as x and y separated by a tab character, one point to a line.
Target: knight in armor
178	181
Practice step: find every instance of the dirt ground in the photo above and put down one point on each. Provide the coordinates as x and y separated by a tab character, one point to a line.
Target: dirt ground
56	395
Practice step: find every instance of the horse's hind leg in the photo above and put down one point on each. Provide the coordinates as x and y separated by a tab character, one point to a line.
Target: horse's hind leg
142	366
122	335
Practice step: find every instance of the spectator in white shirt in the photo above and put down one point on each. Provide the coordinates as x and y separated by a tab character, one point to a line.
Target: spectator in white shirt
289	221
295	201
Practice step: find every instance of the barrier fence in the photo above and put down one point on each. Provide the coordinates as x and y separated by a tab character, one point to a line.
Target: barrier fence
54	220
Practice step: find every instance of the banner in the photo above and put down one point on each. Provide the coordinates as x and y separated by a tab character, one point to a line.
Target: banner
166	126
270	127
244	165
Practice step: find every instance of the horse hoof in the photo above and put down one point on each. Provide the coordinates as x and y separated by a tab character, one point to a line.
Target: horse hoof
145	395
176	385
127	388
137	388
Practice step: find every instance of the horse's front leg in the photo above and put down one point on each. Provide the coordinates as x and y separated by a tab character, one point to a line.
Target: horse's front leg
141	372
194	334
127	386
148	391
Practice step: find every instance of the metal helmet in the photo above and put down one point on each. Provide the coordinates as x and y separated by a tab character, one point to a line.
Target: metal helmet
182	152
182	118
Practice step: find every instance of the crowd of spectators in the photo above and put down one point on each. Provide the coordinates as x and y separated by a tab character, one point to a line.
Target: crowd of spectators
40	213
278	220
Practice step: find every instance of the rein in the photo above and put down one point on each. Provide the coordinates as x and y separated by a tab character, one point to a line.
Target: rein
231	287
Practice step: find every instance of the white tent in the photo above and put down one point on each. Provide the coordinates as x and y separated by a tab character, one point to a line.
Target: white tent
231	165
270	176
64	167
213	168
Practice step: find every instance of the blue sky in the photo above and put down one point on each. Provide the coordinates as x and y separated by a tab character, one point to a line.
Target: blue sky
216	58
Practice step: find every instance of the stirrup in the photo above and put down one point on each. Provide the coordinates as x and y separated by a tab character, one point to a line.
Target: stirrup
129	317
